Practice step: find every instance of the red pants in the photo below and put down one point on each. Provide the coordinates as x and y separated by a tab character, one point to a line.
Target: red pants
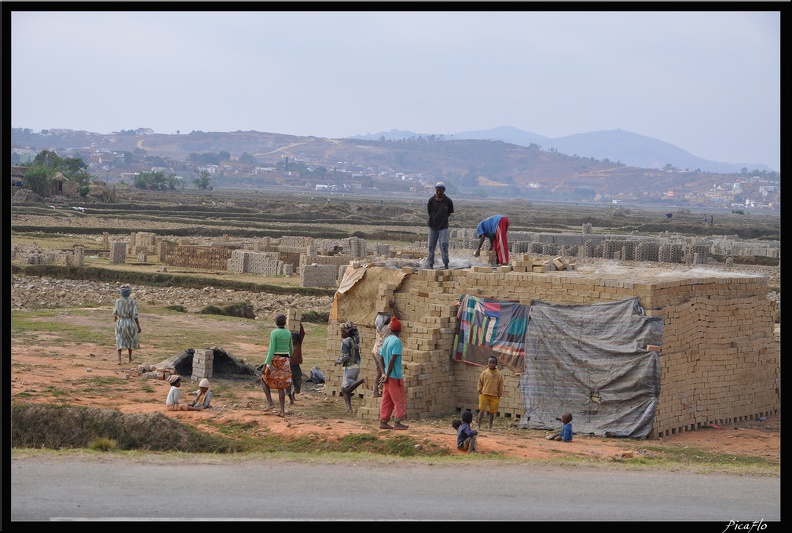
500	244
394	400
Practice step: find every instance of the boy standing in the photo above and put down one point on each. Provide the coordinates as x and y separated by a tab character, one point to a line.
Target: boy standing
490	389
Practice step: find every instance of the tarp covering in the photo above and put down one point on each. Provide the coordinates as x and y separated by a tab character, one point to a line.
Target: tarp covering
358	302
590	360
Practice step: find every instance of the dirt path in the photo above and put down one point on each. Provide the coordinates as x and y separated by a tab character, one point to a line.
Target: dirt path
46	368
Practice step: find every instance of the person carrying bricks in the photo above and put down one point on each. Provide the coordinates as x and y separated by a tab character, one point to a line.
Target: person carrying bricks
295	361
381	330
350	359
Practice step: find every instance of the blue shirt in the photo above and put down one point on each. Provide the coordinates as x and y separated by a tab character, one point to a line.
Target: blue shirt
488	226
566	432
392	347
464	432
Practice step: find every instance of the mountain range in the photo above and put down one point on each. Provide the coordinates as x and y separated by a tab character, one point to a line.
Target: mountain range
618	146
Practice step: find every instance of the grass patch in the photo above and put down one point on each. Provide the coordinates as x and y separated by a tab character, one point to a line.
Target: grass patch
103	444
60	427
315	317
238	309
51	321
695	456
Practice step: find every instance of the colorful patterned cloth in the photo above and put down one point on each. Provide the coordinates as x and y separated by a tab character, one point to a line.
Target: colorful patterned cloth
491	327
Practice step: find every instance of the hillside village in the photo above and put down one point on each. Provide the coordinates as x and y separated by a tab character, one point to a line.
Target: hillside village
259	161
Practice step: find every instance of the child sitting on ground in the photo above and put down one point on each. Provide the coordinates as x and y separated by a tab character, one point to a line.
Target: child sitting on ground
566	430
466	435
203	396
172	401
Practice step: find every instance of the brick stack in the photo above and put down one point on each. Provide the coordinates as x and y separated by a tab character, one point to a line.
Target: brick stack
720	356
319	275
117	252
203	363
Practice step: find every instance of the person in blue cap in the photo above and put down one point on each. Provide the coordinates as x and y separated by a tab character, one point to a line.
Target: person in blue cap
439	207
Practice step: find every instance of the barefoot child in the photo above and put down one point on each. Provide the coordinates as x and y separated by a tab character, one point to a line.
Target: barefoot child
490	389
466	436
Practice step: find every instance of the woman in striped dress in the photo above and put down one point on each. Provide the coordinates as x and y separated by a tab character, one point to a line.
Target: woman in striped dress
127	326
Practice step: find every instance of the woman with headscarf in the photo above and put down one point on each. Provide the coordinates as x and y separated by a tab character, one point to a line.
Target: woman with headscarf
127	326
277	369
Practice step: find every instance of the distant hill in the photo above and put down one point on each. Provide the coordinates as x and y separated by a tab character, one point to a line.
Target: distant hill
615	145
401	162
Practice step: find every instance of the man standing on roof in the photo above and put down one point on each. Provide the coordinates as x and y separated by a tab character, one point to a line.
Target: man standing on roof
494	228
439	207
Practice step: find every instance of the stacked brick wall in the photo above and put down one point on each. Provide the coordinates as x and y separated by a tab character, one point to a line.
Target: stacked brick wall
670	253
355	248
205	257
263	263
291	257
334	261
319	276
720	357
380	250
144	242
647	251
203	363
118	252
33	255
699	254
164	250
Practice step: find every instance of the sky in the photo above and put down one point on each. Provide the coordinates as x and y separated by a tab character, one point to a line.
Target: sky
705	81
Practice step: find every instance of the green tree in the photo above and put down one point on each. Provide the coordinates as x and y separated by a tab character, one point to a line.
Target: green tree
247	159
154	181
47	158
38	178
75	169
209	158
202	181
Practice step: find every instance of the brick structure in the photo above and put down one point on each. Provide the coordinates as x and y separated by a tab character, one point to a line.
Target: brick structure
31	254
118	252
203	363
720	358
319	276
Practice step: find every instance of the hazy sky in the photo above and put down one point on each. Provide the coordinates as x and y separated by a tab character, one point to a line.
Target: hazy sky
706	81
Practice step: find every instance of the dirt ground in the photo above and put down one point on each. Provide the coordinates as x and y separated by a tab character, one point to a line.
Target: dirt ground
45	370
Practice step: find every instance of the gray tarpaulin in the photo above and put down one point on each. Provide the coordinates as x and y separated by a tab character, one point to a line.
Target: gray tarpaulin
592	361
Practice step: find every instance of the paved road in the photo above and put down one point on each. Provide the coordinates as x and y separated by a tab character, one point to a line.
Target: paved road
157	488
